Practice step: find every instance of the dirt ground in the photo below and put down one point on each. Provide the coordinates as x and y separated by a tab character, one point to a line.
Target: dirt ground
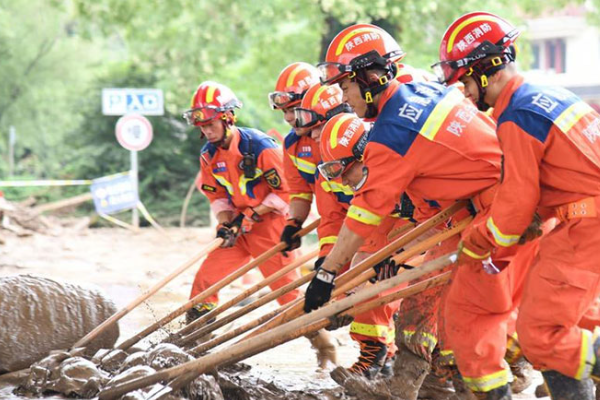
124	263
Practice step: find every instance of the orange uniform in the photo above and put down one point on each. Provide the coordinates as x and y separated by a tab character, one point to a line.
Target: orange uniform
551	163
223	181
432	142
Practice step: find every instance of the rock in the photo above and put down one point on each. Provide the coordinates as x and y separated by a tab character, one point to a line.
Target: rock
39	315
166	355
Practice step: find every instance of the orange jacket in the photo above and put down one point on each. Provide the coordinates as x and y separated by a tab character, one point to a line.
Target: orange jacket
549	138
222	179
301	156
429	141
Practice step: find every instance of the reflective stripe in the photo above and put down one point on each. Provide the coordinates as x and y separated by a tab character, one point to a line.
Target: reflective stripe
568	118
224	182
304	196
440	113
205	306
210	94
315	98
513	349
428	340
474	255
587	356
447	358
292	75
467	22
304	165
488	382
333	139
327	240
332	186
365	216
244	181
378	331
501	238
346	38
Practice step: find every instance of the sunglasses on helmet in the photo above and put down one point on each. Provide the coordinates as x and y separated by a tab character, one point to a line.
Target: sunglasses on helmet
334	169
283	99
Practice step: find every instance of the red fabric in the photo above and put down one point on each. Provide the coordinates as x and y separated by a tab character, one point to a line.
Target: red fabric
223	261
591	318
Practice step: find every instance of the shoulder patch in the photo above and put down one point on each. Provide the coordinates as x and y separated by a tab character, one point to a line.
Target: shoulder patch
208	188
273	179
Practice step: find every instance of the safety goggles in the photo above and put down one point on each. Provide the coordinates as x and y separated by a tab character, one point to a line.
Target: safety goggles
332	72
201	115
334	169
283	99
306	118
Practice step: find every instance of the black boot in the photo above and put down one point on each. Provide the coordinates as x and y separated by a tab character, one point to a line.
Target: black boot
371	359
562	387
501	393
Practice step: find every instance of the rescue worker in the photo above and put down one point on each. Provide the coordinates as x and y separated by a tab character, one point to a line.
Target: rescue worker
242	177
551	164
431	142
300	159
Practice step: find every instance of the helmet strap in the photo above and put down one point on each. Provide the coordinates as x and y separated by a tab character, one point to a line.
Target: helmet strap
483	70
369	90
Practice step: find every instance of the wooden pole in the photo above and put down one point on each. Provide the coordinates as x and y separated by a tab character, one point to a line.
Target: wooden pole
281	334
149	292
212	290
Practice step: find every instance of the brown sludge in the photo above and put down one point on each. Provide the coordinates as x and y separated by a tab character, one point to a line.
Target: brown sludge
39	315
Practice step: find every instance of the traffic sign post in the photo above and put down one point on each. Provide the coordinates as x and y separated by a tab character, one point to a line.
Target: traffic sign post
134	132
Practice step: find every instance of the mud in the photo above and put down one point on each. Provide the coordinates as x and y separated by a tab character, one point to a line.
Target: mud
39	315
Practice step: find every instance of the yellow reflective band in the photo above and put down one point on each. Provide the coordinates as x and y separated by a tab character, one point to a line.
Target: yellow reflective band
303	196
327	240
568	118
424	339
365	216
225	183
465	23
205	306
210	94
303	165
447	357
292	75
335	187
375	331
474	255
587	356
333	141
346	38
501	238
488	382
315	98
440	113
244	181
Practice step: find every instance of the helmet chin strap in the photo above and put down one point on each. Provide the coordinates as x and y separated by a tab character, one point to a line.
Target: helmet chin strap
482	71
369	91
365	174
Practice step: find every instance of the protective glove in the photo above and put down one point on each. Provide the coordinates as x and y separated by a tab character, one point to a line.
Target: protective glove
338	321
387	269
289	236
229	231
533	231
319	290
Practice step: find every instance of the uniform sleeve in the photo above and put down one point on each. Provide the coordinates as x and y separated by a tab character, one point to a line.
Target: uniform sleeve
271	164
298	186
217	195
332	214
389	175
519	191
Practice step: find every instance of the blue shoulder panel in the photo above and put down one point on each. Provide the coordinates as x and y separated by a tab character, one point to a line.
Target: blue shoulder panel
260	141
291	138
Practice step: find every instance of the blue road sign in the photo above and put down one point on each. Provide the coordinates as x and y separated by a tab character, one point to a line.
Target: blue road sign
114	193
132	101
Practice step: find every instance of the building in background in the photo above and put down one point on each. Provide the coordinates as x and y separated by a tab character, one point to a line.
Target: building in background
566	52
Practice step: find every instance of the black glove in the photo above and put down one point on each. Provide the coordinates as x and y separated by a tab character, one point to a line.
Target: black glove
338	321
289	236
229	231
318	263
319	290
385	269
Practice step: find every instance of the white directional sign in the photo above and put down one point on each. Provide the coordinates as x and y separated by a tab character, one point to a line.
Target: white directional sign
134	132
139	101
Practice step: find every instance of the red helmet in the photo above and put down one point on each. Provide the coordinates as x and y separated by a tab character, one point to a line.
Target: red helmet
343	141
212	100
292	83
469	40
357	47
319	104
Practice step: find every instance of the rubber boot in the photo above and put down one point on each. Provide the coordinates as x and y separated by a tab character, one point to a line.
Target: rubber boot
436	387
371	359
324	345
461	391
562	387
410	371
522	372
388	367
501	393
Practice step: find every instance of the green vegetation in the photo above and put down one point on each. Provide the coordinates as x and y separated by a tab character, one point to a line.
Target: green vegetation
56	56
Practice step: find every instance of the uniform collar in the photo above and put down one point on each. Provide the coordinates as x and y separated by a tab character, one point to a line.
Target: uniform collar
387	94
506	94
234	146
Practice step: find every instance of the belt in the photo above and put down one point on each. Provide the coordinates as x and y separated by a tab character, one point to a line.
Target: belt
484	199
584	208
